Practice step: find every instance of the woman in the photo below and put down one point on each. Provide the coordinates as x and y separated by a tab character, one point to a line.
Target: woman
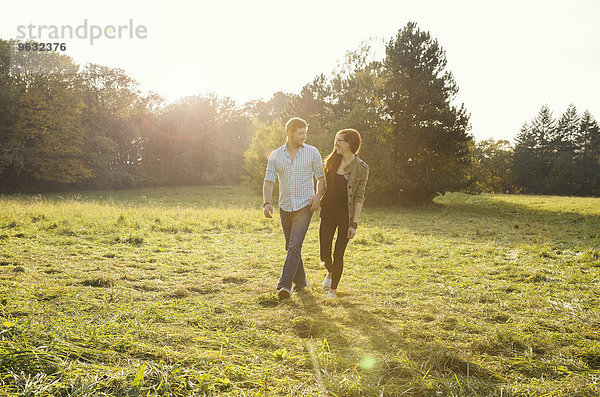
346	176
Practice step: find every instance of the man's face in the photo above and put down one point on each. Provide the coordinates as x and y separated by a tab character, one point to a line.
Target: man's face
298	137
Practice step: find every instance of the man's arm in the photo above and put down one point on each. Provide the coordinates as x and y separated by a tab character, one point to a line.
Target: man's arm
315	200
317	166
267	194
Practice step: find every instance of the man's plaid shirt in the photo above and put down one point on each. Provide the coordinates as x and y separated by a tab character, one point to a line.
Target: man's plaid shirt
296	184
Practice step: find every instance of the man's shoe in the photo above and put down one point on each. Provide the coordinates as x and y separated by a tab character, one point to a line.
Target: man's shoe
331	294
327	283
284	293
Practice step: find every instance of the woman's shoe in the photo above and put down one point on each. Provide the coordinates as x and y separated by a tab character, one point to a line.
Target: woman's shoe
331	294
327	283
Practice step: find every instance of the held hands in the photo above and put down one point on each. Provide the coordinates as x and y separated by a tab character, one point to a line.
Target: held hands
268	210
315	202
351	232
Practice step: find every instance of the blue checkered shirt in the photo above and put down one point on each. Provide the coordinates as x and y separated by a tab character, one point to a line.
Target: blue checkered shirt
296	184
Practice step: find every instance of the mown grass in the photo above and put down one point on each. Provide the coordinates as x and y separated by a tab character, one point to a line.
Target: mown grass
171	292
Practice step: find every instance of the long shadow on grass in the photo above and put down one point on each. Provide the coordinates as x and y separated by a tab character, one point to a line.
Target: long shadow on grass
381	337
317	323
428	356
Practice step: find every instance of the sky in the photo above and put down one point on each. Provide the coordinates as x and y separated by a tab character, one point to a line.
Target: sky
509	58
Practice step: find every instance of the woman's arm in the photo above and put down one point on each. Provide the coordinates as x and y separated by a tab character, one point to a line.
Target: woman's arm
357	208
359	198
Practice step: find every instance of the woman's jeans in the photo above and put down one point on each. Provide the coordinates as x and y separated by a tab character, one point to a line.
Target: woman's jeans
295	225
326	232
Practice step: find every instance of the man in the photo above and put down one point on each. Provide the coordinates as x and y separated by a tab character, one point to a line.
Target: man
294	164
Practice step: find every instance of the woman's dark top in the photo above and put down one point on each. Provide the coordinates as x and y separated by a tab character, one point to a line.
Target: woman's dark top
335	201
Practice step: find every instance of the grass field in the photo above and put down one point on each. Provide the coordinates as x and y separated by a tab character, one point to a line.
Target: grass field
171	292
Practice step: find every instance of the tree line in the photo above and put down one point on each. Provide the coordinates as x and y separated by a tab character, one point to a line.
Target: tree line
416	141
68	127
63	126
550	156
559	157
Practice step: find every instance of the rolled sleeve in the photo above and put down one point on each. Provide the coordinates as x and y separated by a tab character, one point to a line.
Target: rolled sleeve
318	164
359	195
271	174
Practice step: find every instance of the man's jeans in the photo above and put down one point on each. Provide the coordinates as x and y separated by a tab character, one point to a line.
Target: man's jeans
295	225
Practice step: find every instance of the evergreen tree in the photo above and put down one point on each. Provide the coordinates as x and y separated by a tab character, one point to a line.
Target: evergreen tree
525	164
543	129
565	136
588	161
429	139
561	157
589	135
562	177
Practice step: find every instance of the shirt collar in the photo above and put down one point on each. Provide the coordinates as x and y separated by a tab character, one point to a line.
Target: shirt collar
285	147
350	165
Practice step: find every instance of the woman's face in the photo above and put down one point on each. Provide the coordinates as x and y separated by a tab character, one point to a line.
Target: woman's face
341	145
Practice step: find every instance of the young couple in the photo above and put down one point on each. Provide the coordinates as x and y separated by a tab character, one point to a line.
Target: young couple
340	194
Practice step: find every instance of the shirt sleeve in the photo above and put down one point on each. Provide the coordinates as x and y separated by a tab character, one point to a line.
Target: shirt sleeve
271	173
363	176
318	164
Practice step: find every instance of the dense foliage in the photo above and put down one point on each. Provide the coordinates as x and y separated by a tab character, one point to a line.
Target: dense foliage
559	157
416	142
65	126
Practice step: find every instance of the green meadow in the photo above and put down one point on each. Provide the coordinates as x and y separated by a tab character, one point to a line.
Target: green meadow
171	291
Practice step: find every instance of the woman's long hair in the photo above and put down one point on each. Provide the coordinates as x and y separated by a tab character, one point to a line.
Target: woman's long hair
333	161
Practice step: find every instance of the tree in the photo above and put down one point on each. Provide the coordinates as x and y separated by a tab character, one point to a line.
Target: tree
492	167
356	102
314	106
429	137
534	153
588	160
562	151
589	135
11	161
47	134
524	161
565	138
112	136
270	110
267	138
350	97
198	140
559	157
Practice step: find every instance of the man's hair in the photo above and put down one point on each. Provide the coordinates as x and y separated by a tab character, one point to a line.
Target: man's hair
294	124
